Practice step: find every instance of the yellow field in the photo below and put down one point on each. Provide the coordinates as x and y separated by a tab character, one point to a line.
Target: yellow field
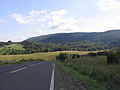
46	56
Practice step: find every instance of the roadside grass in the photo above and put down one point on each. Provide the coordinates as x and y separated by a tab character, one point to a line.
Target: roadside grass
75	75
96	68
50	56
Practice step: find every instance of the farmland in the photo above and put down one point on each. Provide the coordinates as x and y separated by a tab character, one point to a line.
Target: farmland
42	55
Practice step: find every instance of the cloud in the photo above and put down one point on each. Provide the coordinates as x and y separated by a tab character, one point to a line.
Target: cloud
105	5
58	20
19	18
35	12
105	21
59	12
61	21
109	17
34	17
65	24
2	21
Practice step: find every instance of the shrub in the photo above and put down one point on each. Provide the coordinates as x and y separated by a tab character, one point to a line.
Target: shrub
113	58
62	57
92	54
75	56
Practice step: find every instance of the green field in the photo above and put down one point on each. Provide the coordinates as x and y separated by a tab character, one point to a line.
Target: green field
9	48
46	56
13	46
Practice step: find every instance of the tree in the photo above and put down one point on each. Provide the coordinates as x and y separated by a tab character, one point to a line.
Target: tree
9	41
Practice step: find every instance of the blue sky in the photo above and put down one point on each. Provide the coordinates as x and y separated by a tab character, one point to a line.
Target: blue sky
21	19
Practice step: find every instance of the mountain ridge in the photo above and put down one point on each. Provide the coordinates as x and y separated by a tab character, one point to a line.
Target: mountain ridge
107	36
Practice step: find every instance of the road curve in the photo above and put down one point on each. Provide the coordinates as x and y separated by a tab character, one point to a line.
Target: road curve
37	75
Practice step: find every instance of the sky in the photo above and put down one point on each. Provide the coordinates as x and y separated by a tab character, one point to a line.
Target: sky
22	19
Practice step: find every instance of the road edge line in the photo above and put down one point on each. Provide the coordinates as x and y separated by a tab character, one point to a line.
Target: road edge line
52	78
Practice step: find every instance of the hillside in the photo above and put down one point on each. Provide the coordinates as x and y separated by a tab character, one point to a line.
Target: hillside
12	48
64	41
108	36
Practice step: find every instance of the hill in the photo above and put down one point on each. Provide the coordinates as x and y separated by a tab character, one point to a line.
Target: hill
12	48
111	36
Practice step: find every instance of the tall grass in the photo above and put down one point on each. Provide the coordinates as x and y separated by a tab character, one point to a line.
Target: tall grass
97	68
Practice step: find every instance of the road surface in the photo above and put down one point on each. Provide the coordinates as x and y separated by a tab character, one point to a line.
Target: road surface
37	75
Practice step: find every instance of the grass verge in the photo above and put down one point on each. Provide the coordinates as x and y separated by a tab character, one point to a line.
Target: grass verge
76	75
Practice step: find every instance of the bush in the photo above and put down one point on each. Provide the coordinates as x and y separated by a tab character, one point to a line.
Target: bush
92	54
62	57
75	56
113	58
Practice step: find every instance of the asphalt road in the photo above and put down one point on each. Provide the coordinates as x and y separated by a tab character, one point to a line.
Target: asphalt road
37	75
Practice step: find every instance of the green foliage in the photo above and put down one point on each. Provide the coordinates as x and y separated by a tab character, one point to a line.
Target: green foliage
27	47
103	53
32	47
62	57
98	69
75	75
65	56
3	44
113	58
12	49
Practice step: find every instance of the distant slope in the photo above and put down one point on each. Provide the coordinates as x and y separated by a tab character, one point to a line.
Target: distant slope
108	36
8	49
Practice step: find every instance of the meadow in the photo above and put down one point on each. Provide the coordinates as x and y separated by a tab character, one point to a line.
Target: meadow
50	56
6	50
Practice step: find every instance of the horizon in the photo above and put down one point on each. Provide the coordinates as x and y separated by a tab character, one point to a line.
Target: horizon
20	20
61	33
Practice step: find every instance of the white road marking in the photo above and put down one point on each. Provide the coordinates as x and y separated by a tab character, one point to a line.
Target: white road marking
33	65
52	78
18	70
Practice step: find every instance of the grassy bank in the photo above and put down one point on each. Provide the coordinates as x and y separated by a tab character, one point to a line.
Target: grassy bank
96	68
77	76
45	56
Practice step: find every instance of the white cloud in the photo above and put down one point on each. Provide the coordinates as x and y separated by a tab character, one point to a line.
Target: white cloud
2	21
33	17
19	18
35	12
106	21
54	21
109	17
60	21
105	5
59	12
